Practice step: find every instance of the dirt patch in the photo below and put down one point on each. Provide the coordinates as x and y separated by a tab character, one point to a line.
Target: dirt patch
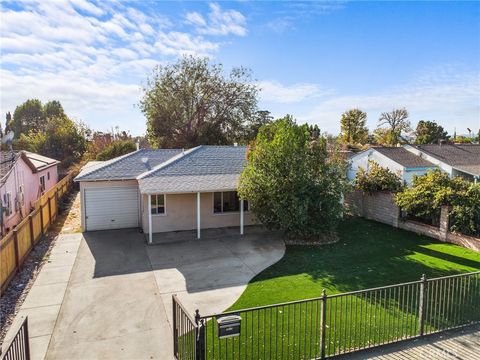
326	239
68	221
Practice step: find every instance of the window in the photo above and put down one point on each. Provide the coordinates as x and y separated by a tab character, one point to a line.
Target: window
48	175
21	195
227	201
42	183
158	204
8	204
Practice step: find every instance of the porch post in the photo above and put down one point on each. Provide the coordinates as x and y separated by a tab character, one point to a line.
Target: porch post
150	237
198	215
241	217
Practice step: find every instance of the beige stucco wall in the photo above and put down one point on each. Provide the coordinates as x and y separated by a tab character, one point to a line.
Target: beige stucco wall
96	184
181	214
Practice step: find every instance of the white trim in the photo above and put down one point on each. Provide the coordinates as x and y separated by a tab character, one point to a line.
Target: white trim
241	216
164	205
198	215
150	237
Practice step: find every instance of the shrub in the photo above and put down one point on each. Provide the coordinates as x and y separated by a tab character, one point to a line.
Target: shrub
376	179
292	182
115	149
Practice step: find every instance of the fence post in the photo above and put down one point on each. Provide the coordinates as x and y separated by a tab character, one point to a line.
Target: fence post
41	218
30	221
15	246
49	210
200	338
175	331
421	305
26	339
323	324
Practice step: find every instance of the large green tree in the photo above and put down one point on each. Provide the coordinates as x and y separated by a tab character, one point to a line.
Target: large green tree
32	115
429	132
292	182
116	148
61	139
353	126
396	122
193	102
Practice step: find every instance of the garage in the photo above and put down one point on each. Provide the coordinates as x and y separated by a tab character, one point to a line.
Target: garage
111	207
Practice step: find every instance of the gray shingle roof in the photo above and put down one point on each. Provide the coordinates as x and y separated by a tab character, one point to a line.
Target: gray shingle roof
404	157
206	168
461	156
128	166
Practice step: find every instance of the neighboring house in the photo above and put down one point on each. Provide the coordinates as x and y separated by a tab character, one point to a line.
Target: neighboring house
397	159
165	190
455	159
24	176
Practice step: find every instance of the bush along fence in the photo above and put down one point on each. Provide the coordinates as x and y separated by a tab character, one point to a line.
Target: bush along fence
330	324
381	207
17	244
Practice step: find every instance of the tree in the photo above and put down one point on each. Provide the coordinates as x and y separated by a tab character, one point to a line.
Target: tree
292	182
261	118
429	132
117	148
377	178
53	109
28	116
353	126
192	102
397	122
61	139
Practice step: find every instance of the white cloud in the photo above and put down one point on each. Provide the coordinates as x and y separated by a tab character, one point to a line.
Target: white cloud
219	22
444	94
276	92
92	55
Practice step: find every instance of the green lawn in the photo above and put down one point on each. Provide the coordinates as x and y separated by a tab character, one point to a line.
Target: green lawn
369	254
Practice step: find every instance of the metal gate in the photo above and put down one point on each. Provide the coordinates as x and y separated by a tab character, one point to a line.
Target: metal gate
185	332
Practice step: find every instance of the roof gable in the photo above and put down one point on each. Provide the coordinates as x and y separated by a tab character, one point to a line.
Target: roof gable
128	166
404	157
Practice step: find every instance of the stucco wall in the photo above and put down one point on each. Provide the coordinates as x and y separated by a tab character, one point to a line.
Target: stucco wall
181	214
99	184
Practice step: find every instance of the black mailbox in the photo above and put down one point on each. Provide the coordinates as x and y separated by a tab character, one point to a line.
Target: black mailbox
228	326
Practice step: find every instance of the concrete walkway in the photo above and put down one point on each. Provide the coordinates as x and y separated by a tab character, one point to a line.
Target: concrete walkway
117	303
461	344
43	302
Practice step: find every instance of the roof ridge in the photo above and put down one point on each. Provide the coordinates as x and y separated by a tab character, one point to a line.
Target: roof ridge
170	161
109	162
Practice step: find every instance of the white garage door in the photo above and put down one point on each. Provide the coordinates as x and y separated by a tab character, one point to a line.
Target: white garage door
111	208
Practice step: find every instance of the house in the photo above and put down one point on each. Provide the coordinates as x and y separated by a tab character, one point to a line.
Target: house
166	190
24	176
397	159
455	159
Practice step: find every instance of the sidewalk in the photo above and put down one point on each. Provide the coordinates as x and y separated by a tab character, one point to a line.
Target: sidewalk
44	299
460	344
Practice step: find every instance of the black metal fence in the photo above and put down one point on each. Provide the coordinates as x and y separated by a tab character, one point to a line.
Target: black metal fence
19	348
340	323
185	336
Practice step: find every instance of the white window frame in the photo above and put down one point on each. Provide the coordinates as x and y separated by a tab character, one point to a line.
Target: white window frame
156	204
44	186
228	212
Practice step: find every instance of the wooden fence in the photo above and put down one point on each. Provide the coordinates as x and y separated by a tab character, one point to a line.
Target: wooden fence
17	244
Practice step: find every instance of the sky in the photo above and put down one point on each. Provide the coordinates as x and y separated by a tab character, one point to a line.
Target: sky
313	60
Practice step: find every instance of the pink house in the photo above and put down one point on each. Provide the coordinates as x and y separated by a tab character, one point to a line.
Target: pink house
24	176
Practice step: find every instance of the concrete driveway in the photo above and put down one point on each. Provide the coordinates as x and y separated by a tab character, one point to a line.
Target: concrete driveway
118	301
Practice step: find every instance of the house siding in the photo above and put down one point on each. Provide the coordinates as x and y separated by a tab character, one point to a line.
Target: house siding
181	214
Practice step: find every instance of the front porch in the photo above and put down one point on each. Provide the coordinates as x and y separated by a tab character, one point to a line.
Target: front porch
208	234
